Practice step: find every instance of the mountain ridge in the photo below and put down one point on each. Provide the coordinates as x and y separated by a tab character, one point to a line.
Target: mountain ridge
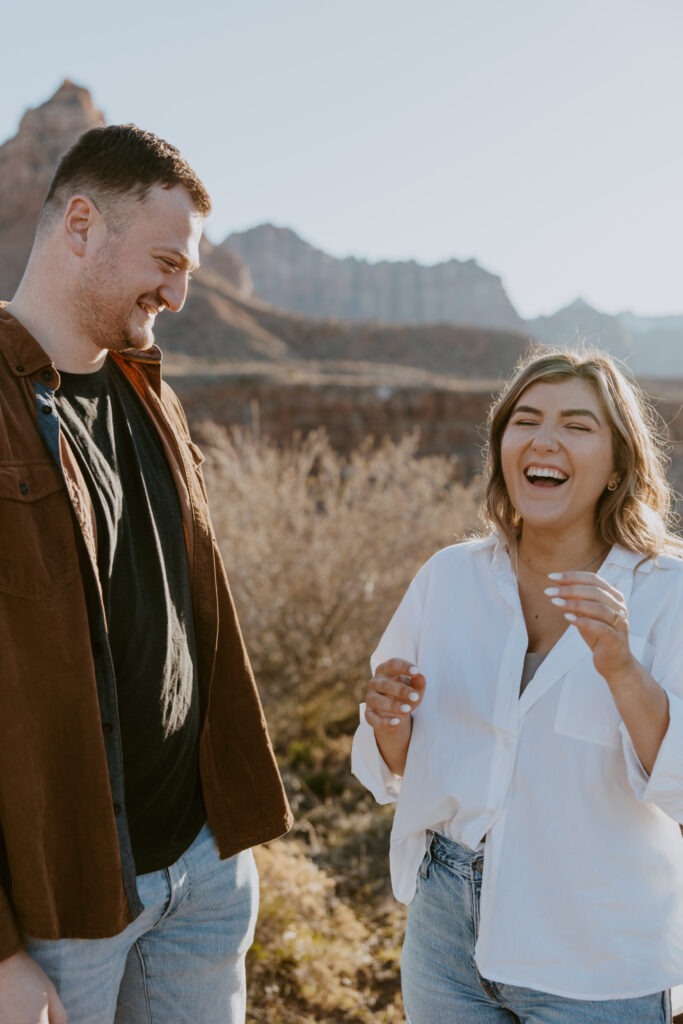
403	302
292	273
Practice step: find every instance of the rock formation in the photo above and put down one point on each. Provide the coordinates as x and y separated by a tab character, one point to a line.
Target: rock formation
579	323
27	163
227	265
652	346
292	274
657	343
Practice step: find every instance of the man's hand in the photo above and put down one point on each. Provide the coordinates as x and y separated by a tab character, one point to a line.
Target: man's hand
27	996
393	693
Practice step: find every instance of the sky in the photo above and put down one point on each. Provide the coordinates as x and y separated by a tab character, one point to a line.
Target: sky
542	138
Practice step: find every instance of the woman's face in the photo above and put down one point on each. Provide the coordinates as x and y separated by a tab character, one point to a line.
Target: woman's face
557	455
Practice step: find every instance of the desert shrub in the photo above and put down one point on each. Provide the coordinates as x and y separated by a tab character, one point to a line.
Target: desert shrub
313	959
319	548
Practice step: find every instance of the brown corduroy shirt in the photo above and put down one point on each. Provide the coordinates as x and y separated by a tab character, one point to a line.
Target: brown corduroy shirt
66	868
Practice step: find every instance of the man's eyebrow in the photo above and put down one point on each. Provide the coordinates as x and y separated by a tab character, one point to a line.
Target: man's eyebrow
565	413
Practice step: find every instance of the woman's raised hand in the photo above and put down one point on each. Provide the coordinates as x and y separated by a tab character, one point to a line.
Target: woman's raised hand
392	695
599	612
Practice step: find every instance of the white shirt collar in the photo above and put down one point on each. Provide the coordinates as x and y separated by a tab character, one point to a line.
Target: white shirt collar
501	564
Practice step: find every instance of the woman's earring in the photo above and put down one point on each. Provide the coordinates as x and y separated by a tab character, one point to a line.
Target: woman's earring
612	485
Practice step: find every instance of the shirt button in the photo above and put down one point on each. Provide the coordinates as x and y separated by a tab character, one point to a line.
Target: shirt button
46	410
97	648
19	369
23	487
107	728
507	742
117	808
46	375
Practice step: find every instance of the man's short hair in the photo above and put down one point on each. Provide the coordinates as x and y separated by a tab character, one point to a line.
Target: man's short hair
120	160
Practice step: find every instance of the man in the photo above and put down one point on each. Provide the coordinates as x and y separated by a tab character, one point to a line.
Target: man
135	766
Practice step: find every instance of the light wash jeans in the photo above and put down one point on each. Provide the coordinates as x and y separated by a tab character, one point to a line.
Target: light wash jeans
180	962
441	983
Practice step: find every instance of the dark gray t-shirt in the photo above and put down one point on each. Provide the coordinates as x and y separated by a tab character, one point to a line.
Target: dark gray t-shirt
532	662
144	573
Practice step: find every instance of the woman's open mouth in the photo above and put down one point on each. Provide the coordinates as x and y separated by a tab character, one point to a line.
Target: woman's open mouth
545	476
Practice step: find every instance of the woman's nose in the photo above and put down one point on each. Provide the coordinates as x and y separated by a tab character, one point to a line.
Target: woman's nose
545	438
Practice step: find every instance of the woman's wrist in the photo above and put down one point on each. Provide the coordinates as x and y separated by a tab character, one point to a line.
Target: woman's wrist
393	744
630	679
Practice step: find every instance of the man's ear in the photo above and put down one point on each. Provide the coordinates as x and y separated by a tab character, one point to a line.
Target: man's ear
81	220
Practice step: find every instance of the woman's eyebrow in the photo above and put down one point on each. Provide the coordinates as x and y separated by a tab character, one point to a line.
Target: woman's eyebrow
580	412
565	413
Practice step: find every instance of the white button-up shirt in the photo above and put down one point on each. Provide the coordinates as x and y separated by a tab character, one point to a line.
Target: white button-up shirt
582	893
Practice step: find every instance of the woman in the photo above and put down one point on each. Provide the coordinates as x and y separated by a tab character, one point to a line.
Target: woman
526	713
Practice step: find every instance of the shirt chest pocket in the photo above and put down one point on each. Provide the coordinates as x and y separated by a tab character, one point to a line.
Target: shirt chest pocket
37	545
197	460
586	709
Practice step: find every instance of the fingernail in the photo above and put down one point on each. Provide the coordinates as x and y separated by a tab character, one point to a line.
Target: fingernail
414	670
555	575
551	590
406	707
559	601
570	617
413	696
394	721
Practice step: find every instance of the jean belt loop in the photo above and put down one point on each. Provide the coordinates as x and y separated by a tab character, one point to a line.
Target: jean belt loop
427	859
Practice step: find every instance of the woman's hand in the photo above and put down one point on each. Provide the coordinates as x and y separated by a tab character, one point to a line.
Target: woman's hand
392	695
599	612
27	996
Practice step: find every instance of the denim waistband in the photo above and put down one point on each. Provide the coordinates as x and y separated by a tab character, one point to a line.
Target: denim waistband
455	855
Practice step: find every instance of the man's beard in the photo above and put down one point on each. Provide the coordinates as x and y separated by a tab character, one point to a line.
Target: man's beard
100	310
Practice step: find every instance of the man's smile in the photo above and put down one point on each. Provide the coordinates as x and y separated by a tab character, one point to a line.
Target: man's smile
148	309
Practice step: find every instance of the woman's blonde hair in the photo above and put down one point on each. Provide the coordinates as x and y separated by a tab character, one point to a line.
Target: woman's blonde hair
638	514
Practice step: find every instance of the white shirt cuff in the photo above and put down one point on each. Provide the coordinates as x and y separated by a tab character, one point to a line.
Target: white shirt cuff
370	768
664	785
637	775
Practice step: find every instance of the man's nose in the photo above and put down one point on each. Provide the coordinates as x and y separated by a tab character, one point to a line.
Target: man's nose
174	291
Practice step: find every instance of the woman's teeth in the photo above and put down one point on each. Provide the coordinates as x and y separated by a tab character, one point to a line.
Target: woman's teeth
545	475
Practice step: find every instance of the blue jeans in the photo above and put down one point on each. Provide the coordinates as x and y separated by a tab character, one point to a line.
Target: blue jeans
180	961
440	980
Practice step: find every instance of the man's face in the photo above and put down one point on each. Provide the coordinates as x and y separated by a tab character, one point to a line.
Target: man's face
139	269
